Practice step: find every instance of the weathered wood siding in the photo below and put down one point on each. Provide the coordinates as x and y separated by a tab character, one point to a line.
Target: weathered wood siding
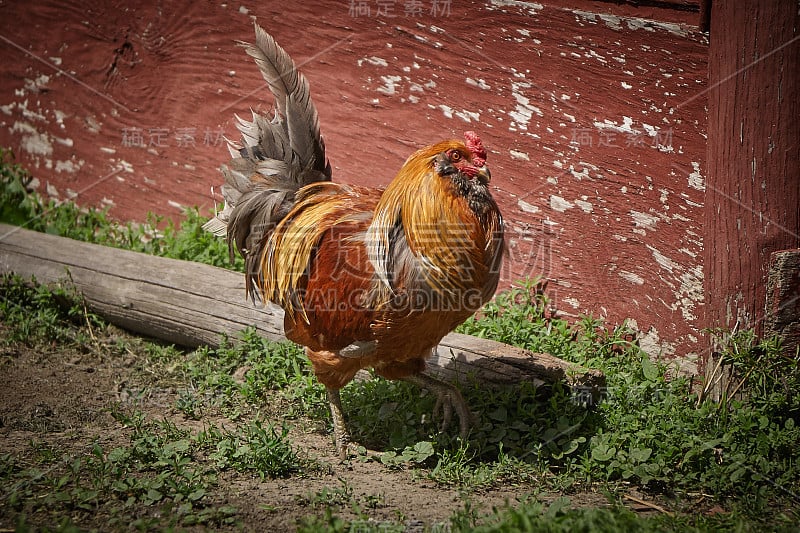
593	112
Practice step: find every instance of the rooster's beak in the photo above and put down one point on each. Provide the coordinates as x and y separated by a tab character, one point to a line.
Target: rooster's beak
483	175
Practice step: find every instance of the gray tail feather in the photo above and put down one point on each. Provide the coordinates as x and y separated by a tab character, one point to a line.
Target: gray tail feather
277	156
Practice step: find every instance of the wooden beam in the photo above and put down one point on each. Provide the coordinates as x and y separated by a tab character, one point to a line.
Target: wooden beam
192	304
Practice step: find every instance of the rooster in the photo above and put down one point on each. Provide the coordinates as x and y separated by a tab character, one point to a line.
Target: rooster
368	278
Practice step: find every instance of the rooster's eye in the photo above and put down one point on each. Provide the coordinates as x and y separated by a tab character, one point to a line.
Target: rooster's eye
455	156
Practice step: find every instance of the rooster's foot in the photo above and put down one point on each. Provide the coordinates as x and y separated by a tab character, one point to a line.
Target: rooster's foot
449	398
341	435
344	445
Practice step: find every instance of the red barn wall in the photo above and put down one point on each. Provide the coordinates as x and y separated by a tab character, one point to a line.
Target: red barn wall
593	113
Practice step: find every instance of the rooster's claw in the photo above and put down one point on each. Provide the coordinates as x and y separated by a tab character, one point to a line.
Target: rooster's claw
448	398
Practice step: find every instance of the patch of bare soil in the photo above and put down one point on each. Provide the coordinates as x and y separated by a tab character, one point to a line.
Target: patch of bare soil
63	399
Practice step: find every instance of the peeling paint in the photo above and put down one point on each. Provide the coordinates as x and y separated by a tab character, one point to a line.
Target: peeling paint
69	166
468	116
696	180
559	204
583	174
524	110
597	56
644	220
528	208
664	262
447	110
389	87
33	141
532	7
479	83
585	206
374	60
650	341
627	122
689	280
690	292
691	203
631	277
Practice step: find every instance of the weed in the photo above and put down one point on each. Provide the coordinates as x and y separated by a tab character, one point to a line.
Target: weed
331	523
251	371
419	453
38	314
339	498
189	404
153	472
767	374
252	448
535	516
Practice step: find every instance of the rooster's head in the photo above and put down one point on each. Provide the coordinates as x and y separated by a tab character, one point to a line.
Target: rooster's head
464	161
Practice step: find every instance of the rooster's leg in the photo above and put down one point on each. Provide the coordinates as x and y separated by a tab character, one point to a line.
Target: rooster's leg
449	398
340	433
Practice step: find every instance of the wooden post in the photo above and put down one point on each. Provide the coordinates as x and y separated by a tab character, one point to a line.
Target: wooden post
753	177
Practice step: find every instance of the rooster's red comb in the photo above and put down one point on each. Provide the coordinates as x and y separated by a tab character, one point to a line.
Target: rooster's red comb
475	146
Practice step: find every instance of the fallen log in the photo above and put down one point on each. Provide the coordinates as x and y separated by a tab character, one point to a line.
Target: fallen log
193	304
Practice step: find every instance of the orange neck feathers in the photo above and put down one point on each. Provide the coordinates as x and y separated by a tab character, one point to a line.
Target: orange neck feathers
454	247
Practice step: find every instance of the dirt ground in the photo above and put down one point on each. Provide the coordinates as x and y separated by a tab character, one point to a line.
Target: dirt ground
64	399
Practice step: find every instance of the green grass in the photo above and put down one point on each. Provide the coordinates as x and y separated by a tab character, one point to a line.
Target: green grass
154	476
57	312
650	431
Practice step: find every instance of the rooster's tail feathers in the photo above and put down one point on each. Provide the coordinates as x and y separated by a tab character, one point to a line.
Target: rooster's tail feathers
277	157
292	136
